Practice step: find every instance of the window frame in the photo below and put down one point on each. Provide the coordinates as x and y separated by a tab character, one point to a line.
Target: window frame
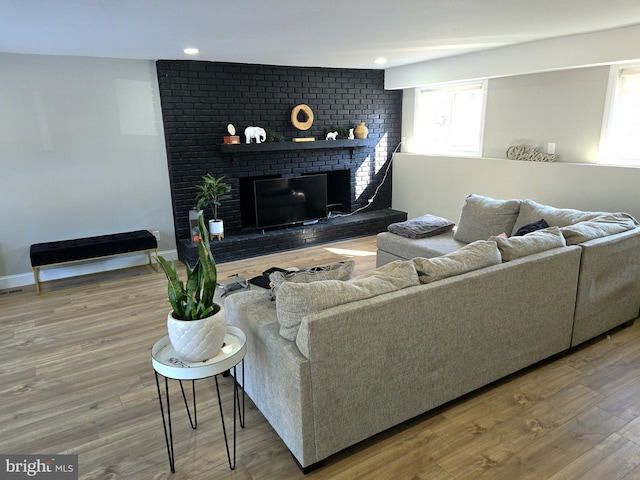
453	87
606	155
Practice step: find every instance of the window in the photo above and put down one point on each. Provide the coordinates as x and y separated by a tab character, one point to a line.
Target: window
449	119
620	143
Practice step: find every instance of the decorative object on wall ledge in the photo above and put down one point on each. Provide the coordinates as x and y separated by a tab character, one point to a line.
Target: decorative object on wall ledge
331	135
255	133
232	138
302	119
361	131
527	152
343	132
273	136
351	135
306	112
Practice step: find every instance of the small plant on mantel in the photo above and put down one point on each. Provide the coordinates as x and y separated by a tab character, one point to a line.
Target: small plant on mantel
193	300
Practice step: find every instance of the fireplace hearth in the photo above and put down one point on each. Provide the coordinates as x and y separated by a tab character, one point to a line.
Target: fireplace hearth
253	242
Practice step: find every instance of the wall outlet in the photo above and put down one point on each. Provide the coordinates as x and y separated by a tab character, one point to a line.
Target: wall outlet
551	148
156	233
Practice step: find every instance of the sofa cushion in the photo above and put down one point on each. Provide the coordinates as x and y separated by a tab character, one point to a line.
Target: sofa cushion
476	255
531	227
483	217
409	248
336	271
600	226
421	227
297	300
531	211
534	242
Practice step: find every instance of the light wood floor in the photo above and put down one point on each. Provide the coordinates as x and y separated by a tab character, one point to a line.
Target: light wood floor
76	377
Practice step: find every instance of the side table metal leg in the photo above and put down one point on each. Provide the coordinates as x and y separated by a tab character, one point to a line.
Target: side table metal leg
237	396
168	433
232	466
194	422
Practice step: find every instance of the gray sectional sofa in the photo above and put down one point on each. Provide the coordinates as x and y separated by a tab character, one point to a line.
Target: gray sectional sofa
608	291
331	362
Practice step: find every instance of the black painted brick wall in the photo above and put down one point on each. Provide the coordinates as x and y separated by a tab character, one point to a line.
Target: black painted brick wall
199	99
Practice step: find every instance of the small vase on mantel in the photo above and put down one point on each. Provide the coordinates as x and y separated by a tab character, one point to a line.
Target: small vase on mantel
361	131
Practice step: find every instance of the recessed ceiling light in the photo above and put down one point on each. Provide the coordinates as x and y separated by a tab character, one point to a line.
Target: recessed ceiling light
380	61
191	51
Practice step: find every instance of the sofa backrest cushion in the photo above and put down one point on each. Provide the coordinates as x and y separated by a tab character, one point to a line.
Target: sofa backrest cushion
476	255
336	271
483	217
531	212
600	226
297	300
534	242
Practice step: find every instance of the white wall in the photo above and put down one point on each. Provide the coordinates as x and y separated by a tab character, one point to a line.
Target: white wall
82	153
560	100
565	107
438	185
572	51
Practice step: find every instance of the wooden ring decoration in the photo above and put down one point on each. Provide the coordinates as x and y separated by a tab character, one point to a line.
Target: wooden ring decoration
306	125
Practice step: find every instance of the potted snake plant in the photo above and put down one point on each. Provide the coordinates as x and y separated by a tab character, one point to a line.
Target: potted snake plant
210	193
196	324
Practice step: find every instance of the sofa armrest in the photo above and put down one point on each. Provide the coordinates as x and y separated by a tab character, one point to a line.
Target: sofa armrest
277	375
609	284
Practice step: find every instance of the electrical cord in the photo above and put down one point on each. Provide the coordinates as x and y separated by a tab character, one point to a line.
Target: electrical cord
370	201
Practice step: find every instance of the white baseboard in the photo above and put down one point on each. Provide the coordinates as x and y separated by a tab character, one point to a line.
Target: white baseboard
81	268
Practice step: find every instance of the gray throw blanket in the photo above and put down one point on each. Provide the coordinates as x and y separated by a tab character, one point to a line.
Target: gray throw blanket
421	227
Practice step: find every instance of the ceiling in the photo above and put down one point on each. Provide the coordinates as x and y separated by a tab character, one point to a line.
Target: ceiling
349	34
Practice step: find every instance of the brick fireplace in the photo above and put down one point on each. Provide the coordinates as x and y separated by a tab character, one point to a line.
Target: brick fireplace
199	100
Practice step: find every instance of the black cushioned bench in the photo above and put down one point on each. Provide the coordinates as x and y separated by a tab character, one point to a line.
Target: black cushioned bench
90	248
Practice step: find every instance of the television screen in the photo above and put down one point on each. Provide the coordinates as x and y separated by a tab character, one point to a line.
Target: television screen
283	201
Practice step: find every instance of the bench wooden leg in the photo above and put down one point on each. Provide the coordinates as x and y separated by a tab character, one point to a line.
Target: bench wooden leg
36	276
156	266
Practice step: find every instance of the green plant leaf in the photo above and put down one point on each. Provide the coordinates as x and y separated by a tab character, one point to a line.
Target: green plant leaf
193	300
175	288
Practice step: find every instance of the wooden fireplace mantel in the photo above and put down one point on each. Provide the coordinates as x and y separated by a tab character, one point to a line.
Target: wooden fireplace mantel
292	146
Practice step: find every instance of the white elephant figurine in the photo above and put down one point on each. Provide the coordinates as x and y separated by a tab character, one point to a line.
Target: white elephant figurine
255	132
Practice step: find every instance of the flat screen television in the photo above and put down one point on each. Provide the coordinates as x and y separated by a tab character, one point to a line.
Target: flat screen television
285	201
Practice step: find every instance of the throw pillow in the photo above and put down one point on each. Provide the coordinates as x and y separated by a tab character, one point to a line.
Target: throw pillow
482	217
531	211
336	271
297	300
600	226
421	227
476	255
531	227
534	242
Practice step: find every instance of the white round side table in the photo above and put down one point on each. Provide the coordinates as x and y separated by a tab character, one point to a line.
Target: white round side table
167	364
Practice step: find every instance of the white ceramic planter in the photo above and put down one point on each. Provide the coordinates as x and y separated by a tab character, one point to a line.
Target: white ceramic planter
216	229
197	340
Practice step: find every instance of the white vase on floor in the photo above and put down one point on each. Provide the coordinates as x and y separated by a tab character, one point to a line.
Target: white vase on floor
197	340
